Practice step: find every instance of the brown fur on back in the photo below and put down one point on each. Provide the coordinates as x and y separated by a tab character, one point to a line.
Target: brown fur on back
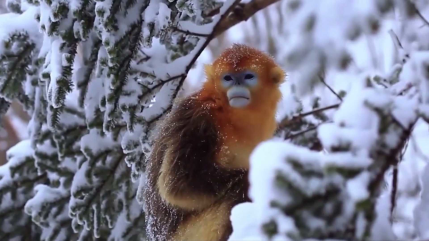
191	136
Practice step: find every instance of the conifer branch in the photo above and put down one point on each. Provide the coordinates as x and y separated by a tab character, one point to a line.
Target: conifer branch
95	195
90	65
16	66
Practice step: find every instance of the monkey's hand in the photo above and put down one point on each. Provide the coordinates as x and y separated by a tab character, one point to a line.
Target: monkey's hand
189	176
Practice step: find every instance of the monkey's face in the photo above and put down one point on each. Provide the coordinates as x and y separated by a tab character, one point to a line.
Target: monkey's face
238	86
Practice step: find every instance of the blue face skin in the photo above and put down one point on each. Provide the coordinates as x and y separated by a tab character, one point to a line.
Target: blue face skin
244	78
238	85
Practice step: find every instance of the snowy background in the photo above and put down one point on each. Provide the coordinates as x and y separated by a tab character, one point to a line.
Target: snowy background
372	55
350	40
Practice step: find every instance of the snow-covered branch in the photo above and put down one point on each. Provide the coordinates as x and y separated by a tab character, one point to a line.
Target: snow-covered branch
308	194
326	177
95	76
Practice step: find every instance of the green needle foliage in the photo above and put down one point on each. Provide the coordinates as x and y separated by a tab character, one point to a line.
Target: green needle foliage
95	76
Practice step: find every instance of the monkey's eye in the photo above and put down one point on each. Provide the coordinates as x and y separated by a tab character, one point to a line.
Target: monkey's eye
227	77
249	76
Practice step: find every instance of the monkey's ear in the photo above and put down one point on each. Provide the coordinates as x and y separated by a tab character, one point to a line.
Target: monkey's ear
277	75
209	71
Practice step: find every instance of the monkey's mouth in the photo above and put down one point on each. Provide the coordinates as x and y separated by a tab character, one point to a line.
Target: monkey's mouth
239	101
239	97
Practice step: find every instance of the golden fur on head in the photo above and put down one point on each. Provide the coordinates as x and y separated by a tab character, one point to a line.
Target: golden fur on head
241	57
254	123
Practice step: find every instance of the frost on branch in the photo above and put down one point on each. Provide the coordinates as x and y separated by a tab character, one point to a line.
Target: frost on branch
95	76
293	194
298	193
317	35
17	48
17	179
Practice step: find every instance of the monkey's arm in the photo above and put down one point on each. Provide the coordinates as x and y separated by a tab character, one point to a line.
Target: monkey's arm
189	174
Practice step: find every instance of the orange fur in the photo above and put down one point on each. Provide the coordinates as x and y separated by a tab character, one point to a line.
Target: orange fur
243	128
208	225
198	168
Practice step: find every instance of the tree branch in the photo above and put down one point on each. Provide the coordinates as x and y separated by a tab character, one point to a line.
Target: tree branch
292	136
242	13
419	13
191	33
394	191
286	122
395	39
395	181
322	79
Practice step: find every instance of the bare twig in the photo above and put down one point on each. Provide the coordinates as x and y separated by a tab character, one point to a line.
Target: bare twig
288	137
395	39
243	13
191	33
144	59
391	158
157	86
286	122
406	88
394	191
322	79
398	47
419	14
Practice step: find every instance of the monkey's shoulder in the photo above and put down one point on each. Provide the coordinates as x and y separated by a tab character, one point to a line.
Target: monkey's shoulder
193	116
199	103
